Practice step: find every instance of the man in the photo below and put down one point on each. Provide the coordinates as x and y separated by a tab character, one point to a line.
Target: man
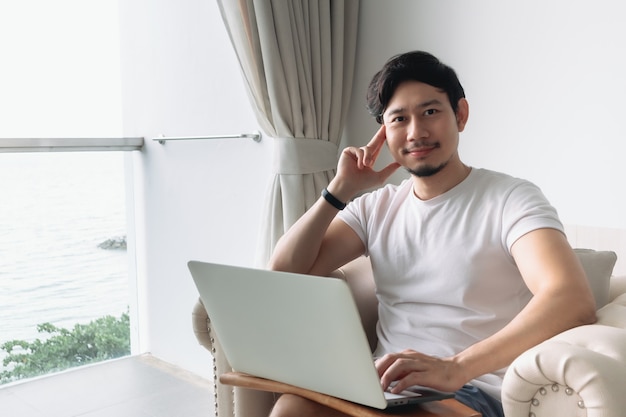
471	266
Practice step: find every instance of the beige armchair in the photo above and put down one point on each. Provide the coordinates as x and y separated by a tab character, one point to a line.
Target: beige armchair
579	373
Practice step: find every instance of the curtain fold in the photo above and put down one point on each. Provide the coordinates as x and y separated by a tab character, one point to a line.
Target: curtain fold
297	58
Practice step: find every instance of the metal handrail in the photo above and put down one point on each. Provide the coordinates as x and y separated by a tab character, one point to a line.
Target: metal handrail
256	136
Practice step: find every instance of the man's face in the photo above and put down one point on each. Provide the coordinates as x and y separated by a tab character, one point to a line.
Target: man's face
422	129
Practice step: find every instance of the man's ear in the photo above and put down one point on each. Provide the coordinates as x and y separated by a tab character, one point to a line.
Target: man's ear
462	114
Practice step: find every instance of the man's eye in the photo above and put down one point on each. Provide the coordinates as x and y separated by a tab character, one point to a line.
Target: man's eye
430	112
399	119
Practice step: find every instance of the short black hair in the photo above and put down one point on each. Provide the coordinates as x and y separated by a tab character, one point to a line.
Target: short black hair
411	66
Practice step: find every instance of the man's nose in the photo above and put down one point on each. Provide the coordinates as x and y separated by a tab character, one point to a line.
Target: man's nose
416	130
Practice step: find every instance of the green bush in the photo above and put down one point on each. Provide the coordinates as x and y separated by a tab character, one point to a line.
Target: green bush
104	338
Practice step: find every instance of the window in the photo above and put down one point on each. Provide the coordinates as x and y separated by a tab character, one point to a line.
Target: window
63	254
63	228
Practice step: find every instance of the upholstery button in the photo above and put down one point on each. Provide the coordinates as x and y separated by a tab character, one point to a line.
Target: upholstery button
581	404
555	387
543	391
535	402
569	391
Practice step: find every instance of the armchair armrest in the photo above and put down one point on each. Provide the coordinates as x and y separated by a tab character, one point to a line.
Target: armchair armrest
579	372
228	401
200	323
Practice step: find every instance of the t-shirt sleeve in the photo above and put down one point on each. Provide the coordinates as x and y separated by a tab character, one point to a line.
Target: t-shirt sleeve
354	216
527	209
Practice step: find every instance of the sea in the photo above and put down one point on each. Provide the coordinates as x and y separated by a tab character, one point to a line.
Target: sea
56	209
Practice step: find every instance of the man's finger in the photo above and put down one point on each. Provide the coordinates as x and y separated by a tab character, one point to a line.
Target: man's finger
378	140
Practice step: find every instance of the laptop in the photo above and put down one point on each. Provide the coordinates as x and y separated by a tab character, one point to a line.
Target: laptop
296	329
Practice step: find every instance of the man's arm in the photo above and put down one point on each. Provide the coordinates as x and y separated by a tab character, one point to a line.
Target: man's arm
561	300
318	243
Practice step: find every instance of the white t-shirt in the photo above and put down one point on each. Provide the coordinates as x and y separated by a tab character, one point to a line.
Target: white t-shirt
444	274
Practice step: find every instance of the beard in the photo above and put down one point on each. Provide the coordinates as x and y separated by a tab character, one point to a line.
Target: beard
427	170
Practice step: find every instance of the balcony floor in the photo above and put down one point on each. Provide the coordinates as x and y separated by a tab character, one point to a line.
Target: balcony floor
136	386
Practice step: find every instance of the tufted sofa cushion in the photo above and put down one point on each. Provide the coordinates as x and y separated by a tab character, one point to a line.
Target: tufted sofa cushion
598	266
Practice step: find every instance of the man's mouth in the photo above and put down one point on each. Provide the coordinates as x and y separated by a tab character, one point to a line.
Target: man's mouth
421	150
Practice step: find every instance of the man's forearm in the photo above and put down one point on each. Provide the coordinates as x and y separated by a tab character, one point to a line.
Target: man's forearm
298	249
313	244
545	316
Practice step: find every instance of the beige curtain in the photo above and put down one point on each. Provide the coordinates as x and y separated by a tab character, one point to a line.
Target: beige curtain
297	58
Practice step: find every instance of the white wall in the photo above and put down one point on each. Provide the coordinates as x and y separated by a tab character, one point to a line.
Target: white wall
544	81
194	199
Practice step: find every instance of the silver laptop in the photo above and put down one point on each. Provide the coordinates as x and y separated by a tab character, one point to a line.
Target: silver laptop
296	329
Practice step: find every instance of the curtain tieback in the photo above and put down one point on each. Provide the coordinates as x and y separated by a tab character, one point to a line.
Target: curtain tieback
304	156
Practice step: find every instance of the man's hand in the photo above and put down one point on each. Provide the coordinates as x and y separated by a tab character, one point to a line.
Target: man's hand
410	368
355	168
